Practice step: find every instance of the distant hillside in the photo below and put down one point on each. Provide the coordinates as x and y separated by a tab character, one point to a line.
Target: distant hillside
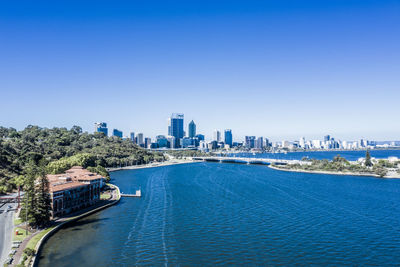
58	145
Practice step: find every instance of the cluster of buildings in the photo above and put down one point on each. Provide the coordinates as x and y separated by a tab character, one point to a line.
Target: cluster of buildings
329	143
177	138
73	190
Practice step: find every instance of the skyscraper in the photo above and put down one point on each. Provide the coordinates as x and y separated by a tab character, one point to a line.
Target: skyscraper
217	136
259	143
162	141
101	127
133	137
139	139
192	129
250	141
302	142
228	137
175	128
117	133
147	142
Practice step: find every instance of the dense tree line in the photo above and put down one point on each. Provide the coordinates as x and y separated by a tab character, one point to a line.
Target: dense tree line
179	154
18	148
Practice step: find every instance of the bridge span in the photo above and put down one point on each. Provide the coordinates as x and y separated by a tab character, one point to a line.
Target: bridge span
243	160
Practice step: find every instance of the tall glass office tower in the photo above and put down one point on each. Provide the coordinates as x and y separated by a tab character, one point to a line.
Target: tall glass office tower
175	128
101	127
228	137
192	129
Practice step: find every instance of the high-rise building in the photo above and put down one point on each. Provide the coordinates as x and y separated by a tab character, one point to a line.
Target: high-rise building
200	137
139	139
228	137
285	144
217	136
302	142
212	145
259	143
327	138
267	144
132	137
171	141
117	133
162	141
147	142
192	129
249	141
175	128
101	127
317	144
188	142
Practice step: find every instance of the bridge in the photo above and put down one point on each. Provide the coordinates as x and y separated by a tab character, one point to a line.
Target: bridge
11	198
243	160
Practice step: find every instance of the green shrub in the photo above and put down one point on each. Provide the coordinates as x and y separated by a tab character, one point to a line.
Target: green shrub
29	251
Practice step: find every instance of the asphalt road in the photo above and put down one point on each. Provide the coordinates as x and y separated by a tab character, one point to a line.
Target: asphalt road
6	227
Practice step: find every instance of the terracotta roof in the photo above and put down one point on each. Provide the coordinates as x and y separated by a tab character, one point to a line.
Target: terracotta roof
63	186
71	178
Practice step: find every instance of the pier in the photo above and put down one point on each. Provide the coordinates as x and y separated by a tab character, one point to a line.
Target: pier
137	194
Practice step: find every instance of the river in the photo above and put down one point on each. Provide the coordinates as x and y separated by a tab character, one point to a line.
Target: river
220	214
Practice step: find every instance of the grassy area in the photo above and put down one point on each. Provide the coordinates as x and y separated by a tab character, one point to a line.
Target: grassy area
34	240
105	195
21	234
117	188
17	221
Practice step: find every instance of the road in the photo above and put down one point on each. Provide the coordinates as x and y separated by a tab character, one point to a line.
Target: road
6	228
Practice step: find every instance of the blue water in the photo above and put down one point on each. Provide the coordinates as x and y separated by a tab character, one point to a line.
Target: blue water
351	155
230	214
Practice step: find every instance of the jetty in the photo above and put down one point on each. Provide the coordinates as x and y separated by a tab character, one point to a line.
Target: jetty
137	194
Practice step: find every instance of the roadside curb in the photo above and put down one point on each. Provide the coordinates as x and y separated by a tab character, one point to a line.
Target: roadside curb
39	245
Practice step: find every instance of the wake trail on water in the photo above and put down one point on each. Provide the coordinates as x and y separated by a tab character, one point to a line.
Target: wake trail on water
164	221
136	222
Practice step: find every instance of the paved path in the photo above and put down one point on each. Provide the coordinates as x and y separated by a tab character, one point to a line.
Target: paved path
20	250
6	228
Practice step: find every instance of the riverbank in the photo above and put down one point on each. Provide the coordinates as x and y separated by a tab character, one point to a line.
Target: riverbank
116	196
391	176
153	165
36	240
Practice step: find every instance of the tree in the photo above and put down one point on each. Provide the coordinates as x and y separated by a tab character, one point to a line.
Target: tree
36	203
28	210
43	207
368	161
380	171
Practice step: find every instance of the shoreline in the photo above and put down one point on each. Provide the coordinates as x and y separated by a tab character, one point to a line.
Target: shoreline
152	165
335	173
316	150
54	229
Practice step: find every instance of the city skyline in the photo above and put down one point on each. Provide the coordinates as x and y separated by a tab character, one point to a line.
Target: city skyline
265	68
179	130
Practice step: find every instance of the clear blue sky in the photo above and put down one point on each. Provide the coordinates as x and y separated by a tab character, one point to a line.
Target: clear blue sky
280	69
